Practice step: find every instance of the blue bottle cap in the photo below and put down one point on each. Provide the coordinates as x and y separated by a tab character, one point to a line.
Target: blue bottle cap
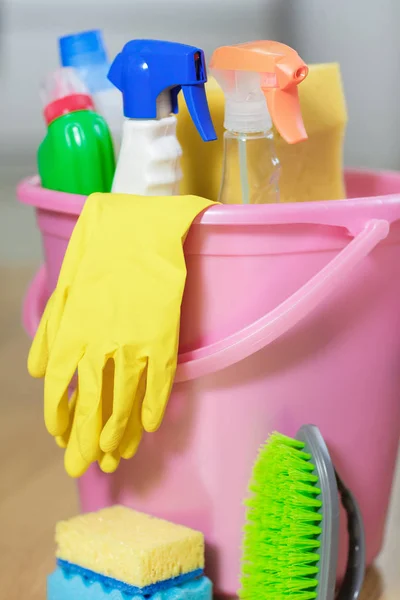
82	49
146	68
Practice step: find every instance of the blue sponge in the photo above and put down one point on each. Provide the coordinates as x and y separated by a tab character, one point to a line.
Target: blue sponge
64	585
126	588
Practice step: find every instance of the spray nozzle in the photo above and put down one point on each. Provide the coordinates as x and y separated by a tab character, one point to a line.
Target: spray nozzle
257	75
150	74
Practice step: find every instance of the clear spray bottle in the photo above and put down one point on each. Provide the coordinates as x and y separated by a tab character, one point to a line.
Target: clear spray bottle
259	81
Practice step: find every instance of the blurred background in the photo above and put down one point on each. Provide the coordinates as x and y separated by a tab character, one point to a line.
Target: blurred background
361	35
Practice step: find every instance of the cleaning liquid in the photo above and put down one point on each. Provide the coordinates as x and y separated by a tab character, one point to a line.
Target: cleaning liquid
77	154
150	74
86	52
259	81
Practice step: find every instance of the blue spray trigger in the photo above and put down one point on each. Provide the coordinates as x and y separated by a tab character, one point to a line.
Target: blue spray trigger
174	98
196	101
146	68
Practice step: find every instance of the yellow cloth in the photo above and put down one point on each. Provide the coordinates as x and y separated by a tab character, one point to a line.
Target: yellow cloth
114	318
310	170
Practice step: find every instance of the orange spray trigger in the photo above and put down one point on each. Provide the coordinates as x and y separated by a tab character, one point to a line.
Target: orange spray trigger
284	108
253	72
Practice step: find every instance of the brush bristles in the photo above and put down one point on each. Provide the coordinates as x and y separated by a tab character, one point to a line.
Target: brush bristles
281	537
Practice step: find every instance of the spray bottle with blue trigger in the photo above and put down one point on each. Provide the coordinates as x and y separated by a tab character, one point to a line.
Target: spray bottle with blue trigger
150	74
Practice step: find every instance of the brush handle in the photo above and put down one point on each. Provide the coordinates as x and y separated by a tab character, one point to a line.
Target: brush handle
355	571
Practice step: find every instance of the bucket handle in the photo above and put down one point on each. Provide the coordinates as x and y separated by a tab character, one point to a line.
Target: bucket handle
262	332
291	311
35	301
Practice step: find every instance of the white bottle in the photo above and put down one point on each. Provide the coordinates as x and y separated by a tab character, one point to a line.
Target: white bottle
108	103
86	52
150	74
149	159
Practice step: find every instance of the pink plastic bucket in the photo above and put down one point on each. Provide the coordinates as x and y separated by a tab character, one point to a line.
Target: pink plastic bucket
291	315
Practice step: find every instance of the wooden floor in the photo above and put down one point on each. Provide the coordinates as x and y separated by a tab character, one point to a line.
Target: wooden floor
35	492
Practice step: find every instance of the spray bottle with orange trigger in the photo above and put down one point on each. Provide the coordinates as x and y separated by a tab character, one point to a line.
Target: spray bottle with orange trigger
259	81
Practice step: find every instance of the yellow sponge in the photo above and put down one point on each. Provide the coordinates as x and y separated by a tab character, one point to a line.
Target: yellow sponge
311	170
129	546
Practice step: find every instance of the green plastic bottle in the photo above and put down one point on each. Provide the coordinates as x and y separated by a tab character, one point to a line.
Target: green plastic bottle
77	154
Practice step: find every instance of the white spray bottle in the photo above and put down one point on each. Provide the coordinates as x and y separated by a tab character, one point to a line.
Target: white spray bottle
150	74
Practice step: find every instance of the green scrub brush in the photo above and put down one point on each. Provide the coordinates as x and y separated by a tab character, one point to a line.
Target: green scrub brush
291	537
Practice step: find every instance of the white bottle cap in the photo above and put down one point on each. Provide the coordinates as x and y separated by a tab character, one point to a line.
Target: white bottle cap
246	108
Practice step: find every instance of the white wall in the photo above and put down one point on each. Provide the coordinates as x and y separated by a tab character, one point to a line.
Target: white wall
361	34
29	43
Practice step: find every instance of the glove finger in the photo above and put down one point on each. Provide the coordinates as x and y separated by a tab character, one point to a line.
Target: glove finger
109	461
62	440
127	376
38	356
43	341
108	390
74	463
89	412
60	370
158	390
134	428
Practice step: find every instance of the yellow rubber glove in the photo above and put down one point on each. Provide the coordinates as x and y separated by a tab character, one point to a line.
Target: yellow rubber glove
117	303
74	463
